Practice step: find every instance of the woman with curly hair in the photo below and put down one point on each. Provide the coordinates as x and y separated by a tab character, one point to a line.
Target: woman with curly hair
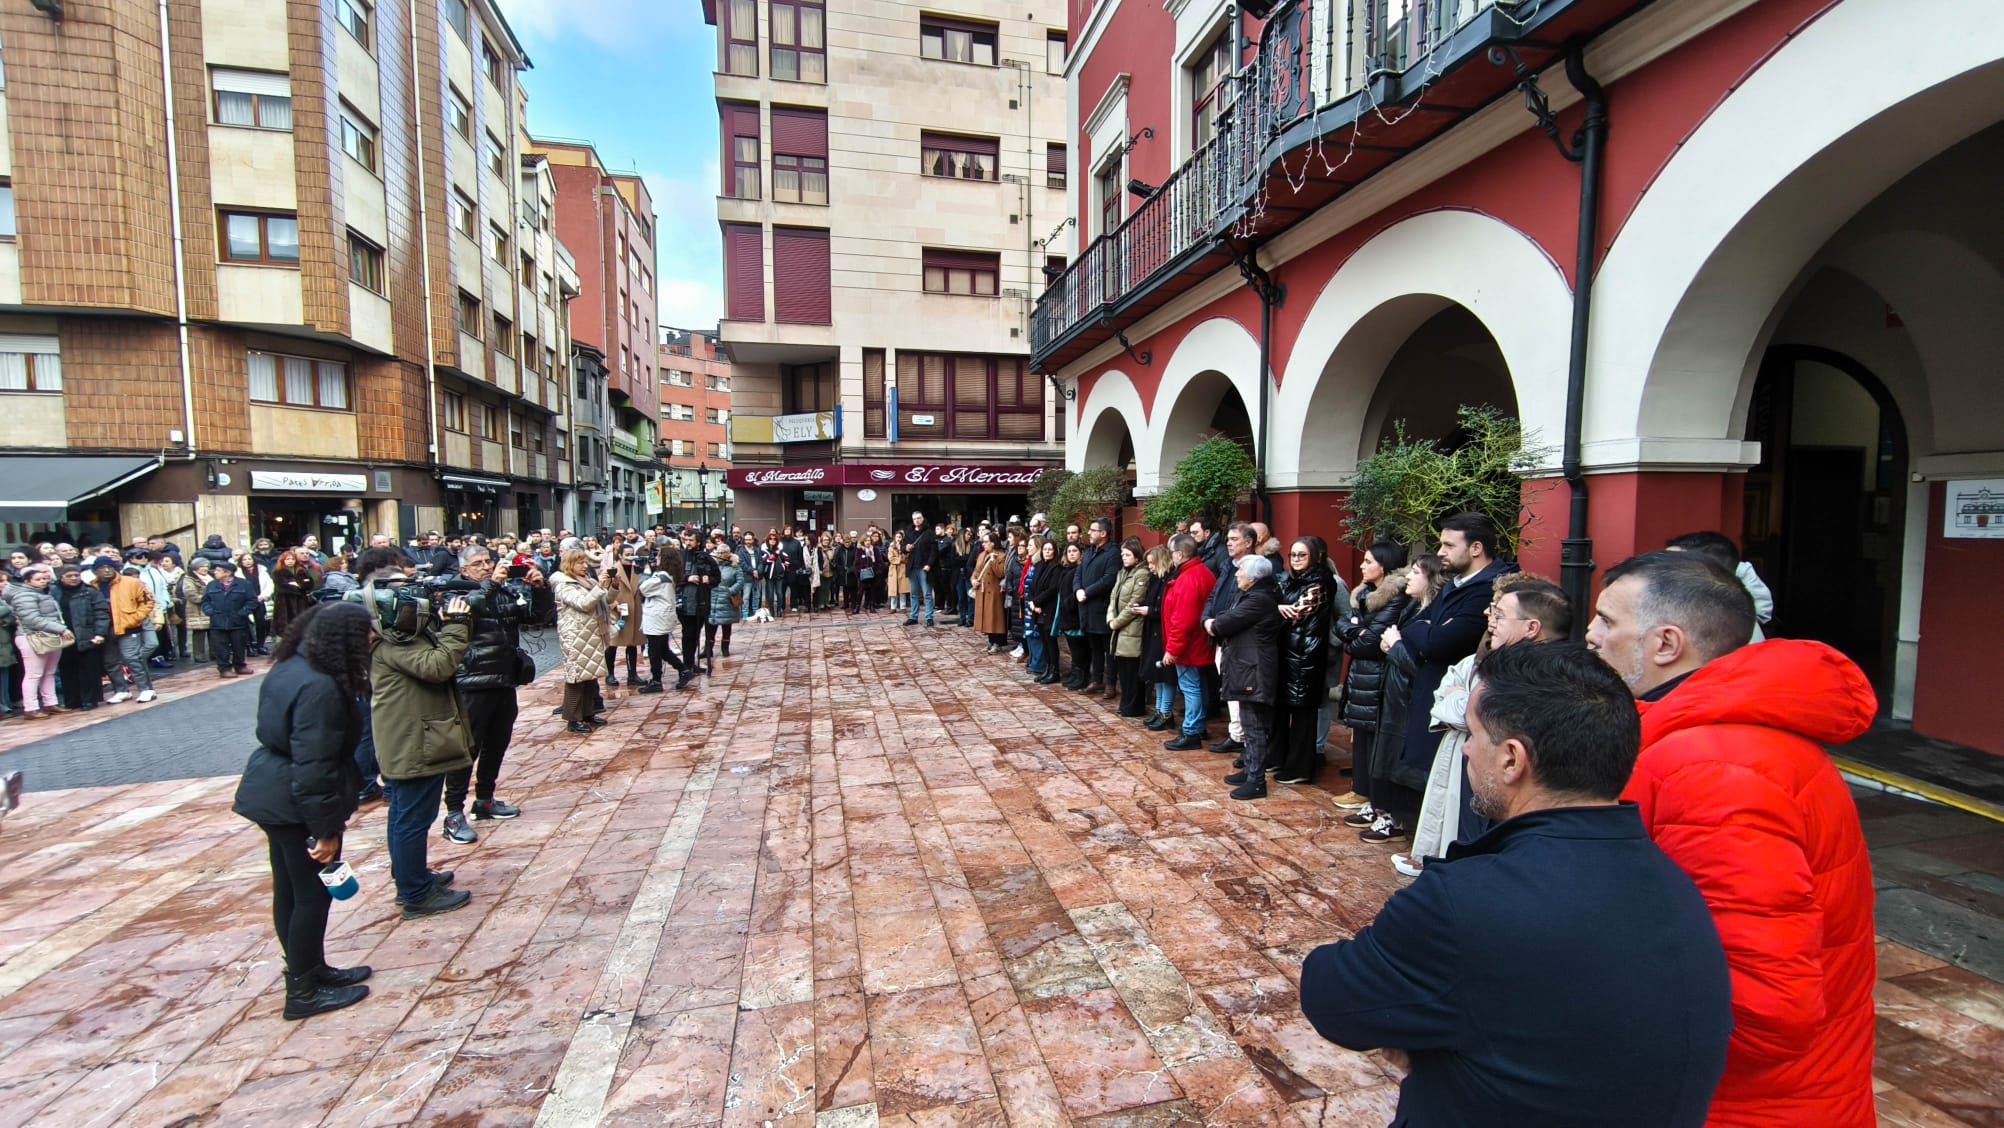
301	786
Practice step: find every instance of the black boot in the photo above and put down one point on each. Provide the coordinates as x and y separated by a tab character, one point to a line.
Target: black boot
343	976
307	995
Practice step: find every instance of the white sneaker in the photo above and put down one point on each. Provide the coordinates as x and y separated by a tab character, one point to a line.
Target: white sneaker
146	695
118	698
1405	864
1016	653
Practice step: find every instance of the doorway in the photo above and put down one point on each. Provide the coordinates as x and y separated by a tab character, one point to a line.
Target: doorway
1826	507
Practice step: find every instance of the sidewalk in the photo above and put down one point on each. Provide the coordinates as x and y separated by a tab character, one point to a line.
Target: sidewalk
188	679
866	876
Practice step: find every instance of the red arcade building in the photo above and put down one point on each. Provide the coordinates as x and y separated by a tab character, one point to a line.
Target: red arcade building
1736	262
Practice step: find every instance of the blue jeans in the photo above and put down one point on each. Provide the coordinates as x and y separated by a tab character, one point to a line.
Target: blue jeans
754	596
1035	644
1190	679
1165	698
922	594
413	808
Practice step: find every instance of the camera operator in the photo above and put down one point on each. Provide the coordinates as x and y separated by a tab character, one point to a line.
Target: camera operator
494	667
700	575
420	727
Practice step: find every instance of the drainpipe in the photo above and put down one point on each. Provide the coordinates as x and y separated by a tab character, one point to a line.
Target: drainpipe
174	211
424	258
1271	295
1576	564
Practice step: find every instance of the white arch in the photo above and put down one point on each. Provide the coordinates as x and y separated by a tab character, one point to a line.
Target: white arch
1855	101
1114	392
1219	345
1393	283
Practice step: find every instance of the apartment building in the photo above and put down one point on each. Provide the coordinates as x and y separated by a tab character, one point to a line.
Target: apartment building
891	197
607	221
262	279
695	443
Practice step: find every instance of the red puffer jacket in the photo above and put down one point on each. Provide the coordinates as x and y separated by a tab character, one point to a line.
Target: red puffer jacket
1735	786
1183	637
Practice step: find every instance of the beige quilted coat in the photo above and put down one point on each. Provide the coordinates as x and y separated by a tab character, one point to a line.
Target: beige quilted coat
581	627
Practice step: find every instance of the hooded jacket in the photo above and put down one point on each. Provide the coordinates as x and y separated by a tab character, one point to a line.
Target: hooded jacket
1183	637
1734	784
215	551
1377	608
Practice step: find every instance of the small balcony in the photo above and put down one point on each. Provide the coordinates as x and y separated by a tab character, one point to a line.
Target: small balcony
1338	92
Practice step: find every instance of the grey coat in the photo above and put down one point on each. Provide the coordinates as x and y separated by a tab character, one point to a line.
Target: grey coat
730	581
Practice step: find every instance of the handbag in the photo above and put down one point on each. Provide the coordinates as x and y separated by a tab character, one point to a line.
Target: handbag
525	667
737	600
866	574
47	642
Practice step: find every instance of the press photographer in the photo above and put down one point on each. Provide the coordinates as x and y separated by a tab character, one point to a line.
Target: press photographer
495	665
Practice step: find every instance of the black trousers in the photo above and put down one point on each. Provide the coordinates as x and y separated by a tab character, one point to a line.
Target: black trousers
1362	742
298	901
1081	650
490	713
1099	644
231	648
1128	672
692	636
632	662
260	626
1257	721
710	637
81	677
1294	747
660	652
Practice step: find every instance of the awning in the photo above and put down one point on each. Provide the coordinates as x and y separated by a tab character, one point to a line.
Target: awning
43	487
472	484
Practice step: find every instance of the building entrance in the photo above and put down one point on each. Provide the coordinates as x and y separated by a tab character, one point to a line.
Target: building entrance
286	521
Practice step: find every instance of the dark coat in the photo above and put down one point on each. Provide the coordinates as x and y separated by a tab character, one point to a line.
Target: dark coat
700	575
1224	588
1446	632
440	561
1065	605
1044	593
1152	669
303	772
842	567
1516	1015
1097	572
1250	634
85	611
1395	713
229	606
1304	643
1377	607
215	551
497	632
921	551
1212	554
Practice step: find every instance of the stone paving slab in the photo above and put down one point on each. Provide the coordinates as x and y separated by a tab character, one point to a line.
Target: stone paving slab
865	876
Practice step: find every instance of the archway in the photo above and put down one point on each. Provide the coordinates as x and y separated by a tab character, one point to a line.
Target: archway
1210	386
1450	361
1112	425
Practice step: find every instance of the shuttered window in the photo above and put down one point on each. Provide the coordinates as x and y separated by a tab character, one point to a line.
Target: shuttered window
741	158
966	397
959	158
744	272
873	393
1054	166
801	279
962	272
260	99
799	155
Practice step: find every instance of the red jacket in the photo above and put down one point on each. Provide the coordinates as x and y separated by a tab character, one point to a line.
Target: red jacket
1735	786
1183	636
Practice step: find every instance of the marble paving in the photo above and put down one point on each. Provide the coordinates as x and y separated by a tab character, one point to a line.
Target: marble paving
866	876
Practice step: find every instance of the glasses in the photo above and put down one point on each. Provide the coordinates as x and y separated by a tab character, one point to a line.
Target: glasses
1496	615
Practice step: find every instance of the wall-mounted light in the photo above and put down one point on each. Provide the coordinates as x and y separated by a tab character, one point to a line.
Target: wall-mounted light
1142	189
51	8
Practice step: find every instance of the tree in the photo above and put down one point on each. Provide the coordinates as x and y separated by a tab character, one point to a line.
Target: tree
1210	480
1404	491
1044	491
1094	492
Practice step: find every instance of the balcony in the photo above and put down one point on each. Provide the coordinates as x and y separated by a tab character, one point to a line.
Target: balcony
1338	91
628	445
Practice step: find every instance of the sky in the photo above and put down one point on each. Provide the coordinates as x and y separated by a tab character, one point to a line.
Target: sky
634	78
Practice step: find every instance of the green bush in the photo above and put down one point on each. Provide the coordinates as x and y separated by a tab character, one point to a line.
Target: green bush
1094	492
1044	491
1210	480
1404	491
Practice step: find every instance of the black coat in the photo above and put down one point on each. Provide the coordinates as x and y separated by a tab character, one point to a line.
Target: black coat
842	567
1212	553
700	576
1042	592
1446	632
303	772
440	561
214	551
229	608
1621	1017
1304	643
85	611
1376	607
1096	575
1395	717
1152	669
490	661
921	552
1250	634
1224	588
1064	606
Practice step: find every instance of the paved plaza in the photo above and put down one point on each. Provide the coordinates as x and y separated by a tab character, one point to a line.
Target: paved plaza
866	875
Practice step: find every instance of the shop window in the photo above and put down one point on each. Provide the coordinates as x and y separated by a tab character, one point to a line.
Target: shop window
959	158
365	264
259	237
30	364
298	381
254	99
957	41
799	42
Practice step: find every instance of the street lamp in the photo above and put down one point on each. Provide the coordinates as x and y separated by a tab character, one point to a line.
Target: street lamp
703	483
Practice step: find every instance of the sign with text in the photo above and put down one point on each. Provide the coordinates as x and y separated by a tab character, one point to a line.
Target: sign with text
935	476
304	482
811	427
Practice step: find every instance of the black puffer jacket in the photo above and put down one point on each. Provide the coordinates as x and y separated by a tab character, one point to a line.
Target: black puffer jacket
700	575
303	772
1375	608
214	550
1388	759
1304	643
497	632
86	611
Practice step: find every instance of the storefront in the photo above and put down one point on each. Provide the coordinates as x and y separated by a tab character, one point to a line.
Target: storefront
287	506
64	500
473	504
853	495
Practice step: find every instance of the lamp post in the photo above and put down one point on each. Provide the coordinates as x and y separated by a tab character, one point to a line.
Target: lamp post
703	483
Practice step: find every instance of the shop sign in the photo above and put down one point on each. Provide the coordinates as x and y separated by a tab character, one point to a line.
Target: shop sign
819	426
298	481
933	476
781	477
1975	510
818	497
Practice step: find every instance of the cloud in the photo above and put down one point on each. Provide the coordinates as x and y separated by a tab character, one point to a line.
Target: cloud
690	253
623	26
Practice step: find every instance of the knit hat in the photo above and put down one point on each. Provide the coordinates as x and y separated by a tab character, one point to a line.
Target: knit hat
111	562
65	569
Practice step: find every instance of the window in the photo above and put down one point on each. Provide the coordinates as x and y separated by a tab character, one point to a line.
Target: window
549	290
497	243
497	155
675	448
802	279
7	227
365	264
30	364
1054	166
456	16
678	379
463	211
957	41
531	354
258	99
496	69
717	451
799	45
740	129
1209	89
962	272
461	111
720	415
960	158
718	383
298	381
681	413
515	437
490	422
744	272
799	155
969	397
740	30
358	138
260	238
354	15
550	361
504	335
469	314
873	393
1107	183
536	439
1054	52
